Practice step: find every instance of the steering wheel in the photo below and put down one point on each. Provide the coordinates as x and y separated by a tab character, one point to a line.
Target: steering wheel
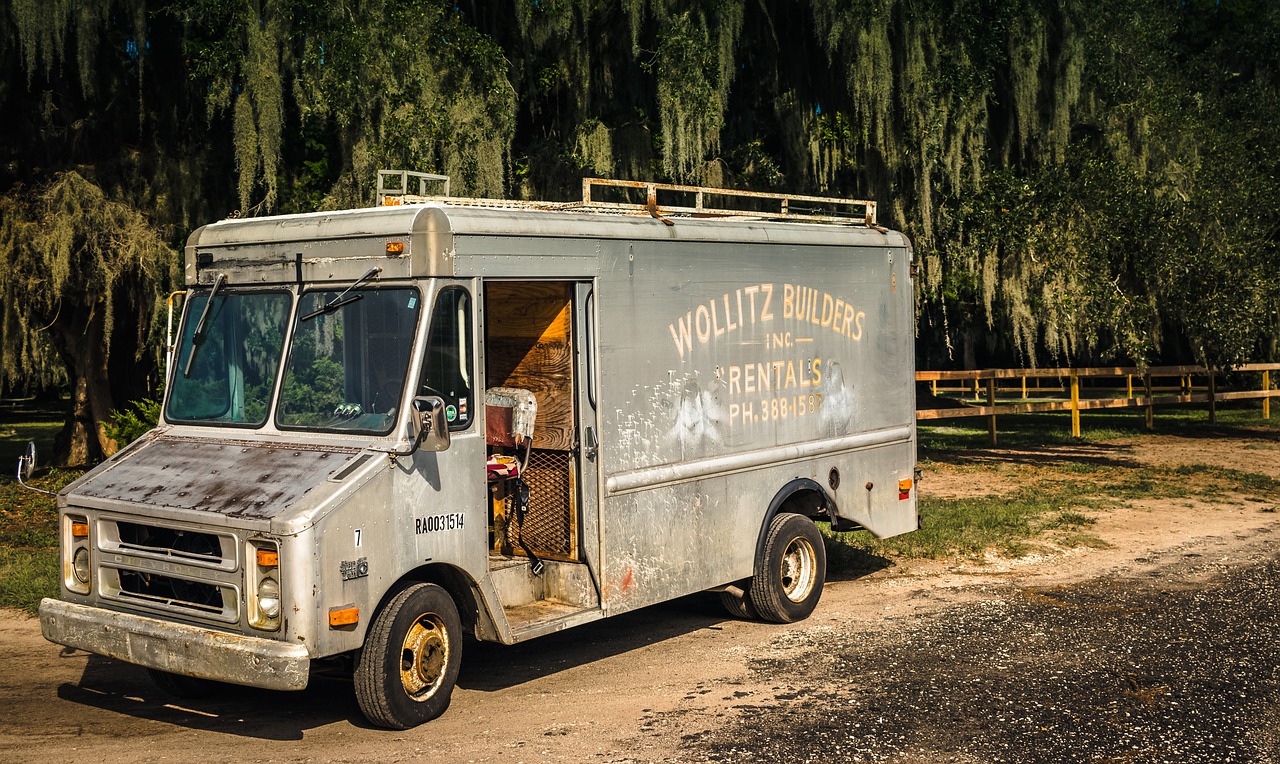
425	389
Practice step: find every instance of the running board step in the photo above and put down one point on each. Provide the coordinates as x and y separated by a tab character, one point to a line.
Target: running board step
536	619
518	585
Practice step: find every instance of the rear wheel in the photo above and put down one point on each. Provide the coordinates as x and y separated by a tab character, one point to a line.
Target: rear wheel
789	575
737	601
406	672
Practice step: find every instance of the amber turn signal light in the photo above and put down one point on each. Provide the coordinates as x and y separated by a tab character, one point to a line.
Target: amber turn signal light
395	248
268	558
347	615
904	489
80	530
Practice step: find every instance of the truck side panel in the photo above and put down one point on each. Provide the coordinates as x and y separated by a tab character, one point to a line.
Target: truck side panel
727	371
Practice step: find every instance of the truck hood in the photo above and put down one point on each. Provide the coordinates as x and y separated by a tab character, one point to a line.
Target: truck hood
233	478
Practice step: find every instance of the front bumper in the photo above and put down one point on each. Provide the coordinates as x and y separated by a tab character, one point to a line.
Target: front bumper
176	647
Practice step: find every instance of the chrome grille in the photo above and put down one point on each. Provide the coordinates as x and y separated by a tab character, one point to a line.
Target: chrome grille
170	542
194	572
197	595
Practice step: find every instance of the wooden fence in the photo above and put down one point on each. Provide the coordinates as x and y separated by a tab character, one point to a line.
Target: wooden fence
1155	385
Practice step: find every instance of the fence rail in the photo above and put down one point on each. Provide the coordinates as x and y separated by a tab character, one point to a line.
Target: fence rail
984	385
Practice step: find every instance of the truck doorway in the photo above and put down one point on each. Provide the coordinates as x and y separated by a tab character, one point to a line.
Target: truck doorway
535	342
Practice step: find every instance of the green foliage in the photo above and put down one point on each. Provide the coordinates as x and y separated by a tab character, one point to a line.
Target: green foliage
694	70
1083	182
130	423
46	26
67	253
405	84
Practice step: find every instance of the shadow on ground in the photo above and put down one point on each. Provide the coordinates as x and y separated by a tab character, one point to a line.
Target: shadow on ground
1093	454
126	689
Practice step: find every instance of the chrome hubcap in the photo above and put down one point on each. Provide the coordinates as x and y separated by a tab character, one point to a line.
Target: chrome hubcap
798	564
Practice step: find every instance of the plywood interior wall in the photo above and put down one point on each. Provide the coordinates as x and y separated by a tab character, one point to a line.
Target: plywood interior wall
528	344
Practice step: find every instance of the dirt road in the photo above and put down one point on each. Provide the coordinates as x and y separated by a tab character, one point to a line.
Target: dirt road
683	682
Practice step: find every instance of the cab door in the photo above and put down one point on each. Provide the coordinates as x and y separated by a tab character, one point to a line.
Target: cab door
588	435
538	339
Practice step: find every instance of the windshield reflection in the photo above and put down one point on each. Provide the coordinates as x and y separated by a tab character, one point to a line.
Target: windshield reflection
227	372
347	366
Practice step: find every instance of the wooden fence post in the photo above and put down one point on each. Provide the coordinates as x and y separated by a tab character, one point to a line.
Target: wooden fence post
1151	408
991	401
1213	404
1024	388
1075	404
1266	402
1129	380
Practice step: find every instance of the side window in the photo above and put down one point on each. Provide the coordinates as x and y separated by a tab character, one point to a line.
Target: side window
446	369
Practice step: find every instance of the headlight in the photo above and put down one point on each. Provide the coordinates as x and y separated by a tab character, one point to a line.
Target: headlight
269	597
80	565
263	584
77	568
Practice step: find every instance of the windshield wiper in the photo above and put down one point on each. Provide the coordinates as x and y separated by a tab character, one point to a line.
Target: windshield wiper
338	301
197	337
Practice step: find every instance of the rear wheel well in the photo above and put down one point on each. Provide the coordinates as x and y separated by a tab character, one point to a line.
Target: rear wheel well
801	496
807	502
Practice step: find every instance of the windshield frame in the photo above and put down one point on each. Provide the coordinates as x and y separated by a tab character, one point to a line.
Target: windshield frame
176	367
297	326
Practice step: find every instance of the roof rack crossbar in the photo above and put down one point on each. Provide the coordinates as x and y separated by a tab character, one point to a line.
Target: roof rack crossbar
394	188
819	207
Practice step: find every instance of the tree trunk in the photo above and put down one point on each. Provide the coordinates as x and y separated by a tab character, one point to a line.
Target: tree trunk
80	338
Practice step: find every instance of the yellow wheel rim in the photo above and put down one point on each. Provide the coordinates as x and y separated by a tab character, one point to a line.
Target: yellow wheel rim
424	656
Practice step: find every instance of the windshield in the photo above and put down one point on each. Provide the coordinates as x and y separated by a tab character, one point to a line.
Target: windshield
348	360
236	356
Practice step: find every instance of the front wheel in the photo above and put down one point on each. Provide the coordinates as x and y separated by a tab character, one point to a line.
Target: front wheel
790	573
407	669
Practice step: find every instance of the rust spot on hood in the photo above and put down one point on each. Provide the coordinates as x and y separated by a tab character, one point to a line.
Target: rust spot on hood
230	477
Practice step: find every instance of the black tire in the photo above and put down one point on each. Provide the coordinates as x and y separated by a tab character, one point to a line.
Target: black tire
737	601
791	571
185	687
407	669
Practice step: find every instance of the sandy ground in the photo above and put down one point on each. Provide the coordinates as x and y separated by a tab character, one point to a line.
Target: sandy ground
646	686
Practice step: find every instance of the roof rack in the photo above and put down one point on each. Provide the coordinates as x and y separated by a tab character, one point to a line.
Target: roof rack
790	206
660	199
397	183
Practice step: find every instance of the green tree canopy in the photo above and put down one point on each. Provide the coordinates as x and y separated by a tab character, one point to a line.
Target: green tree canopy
77	264
1083	182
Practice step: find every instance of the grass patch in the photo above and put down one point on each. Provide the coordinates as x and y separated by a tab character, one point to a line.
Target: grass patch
29	540
1218	478
972	526
1055	502
24	421
1021	430
29	520
27	576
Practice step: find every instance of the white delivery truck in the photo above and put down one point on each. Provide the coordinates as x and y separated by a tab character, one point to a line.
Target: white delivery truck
385	426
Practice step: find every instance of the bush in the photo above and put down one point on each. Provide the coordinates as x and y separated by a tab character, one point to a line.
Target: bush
130	423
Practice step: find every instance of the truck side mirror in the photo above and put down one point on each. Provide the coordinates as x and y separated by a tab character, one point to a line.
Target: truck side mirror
427	426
